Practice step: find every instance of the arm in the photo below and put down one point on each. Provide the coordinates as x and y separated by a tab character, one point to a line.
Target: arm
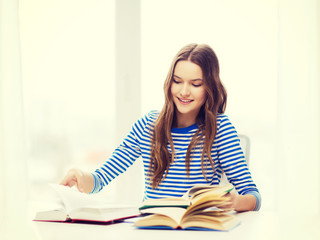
122	158
242	203
233	163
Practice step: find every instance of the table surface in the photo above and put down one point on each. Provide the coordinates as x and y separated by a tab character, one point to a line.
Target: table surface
254	225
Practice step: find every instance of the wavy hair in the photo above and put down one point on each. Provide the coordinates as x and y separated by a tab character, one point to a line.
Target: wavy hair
216	98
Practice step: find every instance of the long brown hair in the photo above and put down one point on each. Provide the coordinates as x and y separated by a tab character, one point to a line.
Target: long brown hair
161	158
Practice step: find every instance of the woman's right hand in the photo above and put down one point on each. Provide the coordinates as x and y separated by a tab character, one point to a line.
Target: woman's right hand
83	180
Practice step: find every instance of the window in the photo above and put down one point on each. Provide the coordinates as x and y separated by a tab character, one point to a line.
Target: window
69	87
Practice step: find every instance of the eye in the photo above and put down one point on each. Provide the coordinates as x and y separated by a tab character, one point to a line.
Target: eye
176	81
197	85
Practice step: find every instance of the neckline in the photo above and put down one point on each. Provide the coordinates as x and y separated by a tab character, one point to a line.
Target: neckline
185	129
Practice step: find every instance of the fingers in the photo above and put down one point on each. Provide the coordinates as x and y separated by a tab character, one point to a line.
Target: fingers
73	177
79	177
67	181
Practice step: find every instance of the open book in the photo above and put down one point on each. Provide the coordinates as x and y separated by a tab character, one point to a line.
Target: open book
207	208
75	206
189	197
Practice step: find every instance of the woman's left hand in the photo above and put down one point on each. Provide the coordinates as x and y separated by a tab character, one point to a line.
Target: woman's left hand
242	203
233	199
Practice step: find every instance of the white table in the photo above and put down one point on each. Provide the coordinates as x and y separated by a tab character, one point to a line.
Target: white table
254	226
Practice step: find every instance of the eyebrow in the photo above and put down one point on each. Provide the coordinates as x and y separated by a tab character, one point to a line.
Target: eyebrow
193	80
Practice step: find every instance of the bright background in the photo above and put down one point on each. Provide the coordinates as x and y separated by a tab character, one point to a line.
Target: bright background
89	69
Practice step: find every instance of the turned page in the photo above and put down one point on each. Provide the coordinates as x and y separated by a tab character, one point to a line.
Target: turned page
176	213
74	199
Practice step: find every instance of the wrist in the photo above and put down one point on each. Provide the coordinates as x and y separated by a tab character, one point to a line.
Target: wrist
245	203
97	183
88	183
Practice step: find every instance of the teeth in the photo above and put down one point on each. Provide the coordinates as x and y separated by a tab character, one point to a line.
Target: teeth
185	101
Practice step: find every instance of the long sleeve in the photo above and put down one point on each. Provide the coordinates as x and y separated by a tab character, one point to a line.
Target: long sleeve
233	162
122	158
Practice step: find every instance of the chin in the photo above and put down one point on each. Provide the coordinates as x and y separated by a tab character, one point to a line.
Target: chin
185	112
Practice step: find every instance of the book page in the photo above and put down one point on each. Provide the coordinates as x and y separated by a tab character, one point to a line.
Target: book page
165	202
176	213
104	214
204	188
74	199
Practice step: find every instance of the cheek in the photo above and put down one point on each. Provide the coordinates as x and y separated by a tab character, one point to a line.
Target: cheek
173	89
202	95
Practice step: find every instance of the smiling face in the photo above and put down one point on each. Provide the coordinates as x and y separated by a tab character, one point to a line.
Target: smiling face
188	92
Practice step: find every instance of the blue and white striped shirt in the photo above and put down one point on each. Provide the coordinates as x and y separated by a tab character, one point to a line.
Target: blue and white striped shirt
226	153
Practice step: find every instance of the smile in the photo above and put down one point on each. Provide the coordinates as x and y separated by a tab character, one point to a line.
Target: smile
184	101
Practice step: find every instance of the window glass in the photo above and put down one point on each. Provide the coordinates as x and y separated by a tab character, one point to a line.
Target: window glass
67	50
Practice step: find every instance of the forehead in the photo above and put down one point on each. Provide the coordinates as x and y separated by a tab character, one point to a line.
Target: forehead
188	70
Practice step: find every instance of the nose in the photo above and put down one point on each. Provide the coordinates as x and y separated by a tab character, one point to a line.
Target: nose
185	91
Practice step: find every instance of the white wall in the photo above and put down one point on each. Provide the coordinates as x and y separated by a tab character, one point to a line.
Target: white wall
298	114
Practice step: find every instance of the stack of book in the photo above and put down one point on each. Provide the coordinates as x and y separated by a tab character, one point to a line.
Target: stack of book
202	208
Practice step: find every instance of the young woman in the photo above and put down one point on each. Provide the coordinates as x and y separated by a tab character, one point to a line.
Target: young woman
189	142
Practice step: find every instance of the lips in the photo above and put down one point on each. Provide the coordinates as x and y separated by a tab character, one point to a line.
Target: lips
184	101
